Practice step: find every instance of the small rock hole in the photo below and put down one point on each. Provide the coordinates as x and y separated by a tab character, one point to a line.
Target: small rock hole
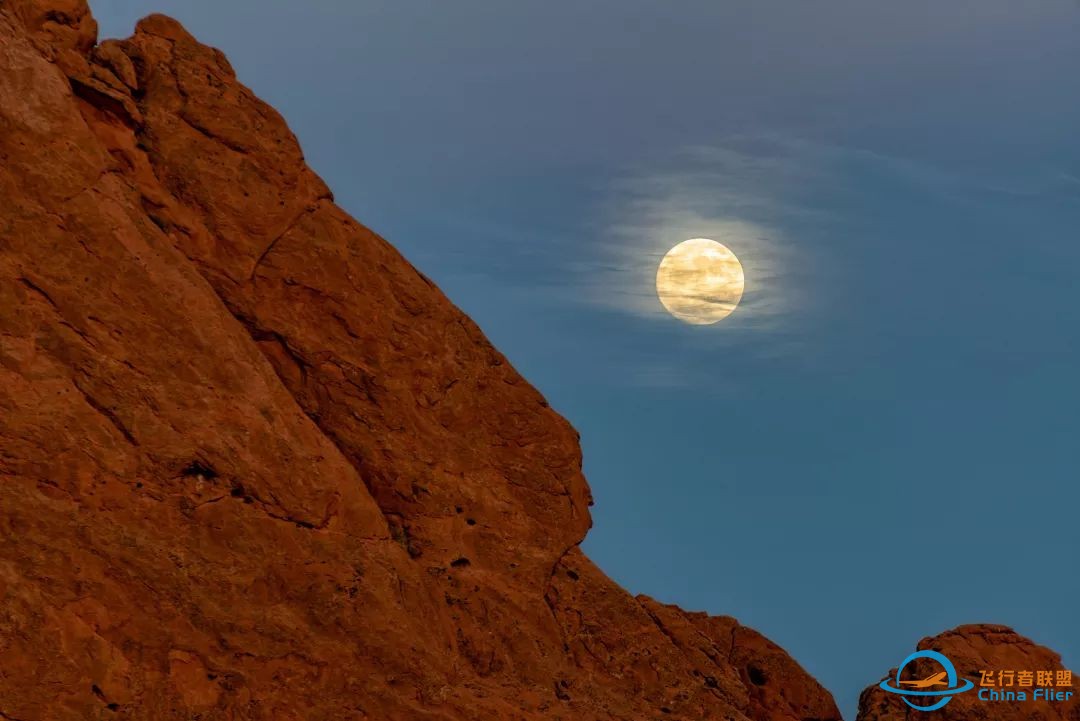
199	468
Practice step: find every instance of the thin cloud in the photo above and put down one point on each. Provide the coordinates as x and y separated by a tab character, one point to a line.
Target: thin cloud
739	195
761	196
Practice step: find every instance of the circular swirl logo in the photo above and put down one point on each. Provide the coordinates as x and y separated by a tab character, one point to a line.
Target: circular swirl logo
928	687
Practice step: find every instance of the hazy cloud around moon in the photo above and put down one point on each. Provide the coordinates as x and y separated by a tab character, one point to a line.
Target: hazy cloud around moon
735	195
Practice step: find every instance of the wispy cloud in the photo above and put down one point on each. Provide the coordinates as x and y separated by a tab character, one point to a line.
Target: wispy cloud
742	194
767	197
791	209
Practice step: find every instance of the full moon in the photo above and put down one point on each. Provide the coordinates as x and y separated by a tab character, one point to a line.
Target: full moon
700	281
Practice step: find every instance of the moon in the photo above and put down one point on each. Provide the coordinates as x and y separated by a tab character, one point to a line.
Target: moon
700	281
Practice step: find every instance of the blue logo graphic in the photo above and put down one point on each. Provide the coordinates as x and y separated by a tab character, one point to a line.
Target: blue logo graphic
922	687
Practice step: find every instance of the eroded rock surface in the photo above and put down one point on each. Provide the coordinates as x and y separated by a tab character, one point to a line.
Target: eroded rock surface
253	465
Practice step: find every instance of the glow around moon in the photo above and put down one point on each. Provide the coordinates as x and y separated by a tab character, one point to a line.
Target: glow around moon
700	281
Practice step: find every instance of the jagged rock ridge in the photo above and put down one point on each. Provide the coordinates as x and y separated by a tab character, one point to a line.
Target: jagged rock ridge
253	465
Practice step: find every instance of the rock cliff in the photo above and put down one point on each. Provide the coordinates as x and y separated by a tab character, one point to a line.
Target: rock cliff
253	465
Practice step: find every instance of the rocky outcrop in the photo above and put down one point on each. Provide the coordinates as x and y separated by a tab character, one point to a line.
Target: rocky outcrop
972	650
253	465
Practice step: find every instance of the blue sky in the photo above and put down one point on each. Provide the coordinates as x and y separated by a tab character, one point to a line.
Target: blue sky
902	184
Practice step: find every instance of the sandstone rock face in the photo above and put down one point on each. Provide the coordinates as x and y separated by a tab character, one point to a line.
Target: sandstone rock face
973	649
253	465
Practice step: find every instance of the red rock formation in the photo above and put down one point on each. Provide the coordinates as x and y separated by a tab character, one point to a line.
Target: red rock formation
973	649
253	465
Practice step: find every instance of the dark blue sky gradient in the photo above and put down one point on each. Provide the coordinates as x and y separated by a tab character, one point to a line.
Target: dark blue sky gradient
882	442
